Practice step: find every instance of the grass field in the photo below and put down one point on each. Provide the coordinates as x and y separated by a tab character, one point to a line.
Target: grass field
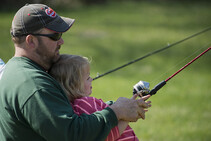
117	33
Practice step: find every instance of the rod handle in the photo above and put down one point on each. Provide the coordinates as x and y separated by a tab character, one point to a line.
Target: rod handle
157	87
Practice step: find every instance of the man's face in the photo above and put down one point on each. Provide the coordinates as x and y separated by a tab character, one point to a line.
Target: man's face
48	49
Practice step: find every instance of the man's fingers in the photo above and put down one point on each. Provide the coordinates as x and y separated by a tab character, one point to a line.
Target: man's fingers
149	103
142	103
142	113
131	109
134	96
146	97
145	110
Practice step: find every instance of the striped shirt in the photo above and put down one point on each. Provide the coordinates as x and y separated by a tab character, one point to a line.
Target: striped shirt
89	105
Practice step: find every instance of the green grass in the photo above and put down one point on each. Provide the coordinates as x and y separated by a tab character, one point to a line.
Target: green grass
114	34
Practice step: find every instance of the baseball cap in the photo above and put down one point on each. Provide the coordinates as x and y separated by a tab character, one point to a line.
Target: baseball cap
33	17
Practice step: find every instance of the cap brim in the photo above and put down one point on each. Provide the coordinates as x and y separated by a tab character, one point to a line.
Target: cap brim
60	24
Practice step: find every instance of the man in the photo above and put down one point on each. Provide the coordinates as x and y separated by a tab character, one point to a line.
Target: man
33	106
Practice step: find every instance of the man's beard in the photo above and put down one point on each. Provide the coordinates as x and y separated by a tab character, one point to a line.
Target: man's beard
46	57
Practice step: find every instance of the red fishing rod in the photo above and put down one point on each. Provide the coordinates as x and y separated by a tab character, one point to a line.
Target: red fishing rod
143	87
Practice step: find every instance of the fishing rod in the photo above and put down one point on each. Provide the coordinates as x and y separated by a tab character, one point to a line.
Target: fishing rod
152	53
142	87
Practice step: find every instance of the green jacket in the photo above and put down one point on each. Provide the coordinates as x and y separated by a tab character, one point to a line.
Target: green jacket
33	107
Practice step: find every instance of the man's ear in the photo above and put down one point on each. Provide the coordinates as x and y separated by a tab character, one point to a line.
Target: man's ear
31	41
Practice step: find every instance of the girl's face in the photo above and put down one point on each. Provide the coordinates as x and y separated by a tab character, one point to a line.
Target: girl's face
87	81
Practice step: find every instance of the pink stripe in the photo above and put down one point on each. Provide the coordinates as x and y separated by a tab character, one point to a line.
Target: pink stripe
96	109
82	109
117	132
127	138
101	105
112	135
127	130
84	101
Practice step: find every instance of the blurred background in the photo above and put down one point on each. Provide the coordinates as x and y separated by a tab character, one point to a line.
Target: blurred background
112	33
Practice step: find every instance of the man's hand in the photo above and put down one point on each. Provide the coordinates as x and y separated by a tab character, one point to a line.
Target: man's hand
131	109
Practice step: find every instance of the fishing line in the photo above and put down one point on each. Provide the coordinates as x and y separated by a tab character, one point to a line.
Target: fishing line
180	62
143	87
152	53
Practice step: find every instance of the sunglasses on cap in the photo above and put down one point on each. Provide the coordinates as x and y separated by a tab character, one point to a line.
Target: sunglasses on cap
54	36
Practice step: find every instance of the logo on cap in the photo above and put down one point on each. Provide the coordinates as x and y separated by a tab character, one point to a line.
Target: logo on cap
50	12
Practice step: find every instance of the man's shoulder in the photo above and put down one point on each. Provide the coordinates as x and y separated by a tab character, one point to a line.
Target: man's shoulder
21	81
19	74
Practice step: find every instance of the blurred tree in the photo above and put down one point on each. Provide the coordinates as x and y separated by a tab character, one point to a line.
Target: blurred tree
89	2
11	4
15	4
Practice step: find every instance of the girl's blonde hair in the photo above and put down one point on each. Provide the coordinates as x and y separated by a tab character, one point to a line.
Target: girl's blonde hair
68	71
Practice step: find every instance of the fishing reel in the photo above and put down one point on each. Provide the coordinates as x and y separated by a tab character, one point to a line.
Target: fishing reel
141	88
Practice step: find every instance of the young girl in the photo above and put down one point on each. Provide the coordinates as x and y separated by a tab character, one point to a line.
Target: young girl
73	73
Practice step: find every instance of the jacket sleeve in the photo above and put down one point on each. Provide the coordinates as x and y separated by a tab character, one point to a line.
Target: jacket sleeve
51	116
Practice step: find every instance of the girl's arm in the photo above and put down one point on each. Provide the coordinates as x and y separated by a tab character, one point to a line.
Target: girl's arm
122	126
89	105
